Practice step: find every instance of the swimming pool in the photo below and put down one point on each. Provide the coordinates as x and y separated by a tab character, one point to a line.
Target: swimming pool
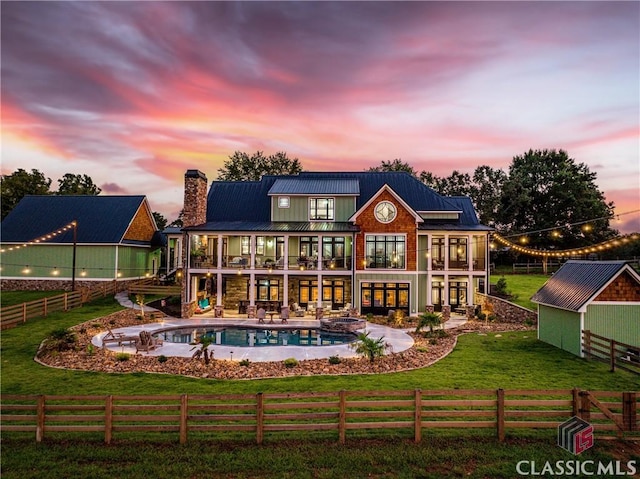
257	337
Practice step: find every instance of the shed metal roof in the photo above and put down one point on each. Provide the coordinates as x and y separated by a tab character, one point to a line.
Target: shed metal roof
101	219
576	283
310	186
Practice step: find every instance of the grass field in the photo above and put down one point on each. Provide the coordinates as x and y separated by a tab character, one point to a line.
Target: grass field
507	360
522	286
9	298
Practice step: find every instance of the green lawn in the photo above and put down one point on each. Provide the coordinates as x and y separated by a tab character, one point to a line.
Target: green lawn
509	360
522	286
9	298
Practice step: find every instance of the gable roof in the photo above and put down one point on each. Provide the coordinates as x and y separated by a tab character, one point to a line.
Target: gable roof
250	200
388	189
101	219
577	283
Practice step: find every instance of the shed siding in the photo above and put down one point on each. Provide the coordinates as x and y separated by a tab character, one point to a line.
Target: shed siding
618	322
560	328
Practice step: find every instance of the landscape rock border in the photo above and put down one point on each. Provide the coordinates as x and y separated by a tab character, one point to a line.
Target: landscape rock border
87	357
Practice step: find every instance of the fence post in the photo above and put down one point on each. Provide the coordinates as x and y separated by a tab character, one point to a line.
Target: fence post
40	418
184	410
587	342
259	417
575	403
108	419
500	414
612	354
629	411
417	416
342	417
24	312
585	406
44	307
65	301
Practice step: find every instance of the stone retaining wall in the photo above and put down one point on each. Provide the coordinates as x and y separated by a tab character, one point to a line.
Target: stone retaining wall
504	310
48	284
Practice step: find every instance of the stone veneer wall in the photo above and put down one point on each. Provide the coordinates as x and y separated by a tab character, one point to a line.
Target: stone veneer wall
504	310
52	284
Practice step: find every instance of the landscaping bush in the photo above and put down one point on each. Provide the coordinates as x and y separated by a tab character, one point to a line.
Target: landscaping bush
122	357
59	340
244	362
290	363
162	358
334	360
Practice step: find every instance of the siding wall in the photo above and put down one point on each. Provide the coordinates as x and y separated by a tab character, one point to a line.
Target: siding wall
619	322
299	208
560	328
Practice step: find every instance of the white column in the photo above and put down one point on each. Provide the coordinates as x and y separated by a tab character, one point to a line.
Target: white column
320	254
286	252
252	250
252	289
446	253
285	290
470	252
219	253
219	289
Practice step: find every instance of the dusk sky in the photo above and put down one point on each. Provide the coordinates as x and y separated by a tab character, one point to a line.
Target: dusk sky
135	93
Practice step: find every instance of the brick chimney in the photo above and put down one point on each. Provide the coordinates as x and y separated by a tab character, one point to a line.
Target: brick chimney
195	198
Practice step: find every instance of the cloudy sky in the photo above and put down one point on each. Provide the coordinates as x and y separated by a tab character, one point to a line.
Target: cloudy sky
135	93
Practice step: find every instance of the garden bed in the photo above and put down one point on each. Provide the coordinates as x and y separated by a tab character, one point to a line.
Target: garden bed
85	356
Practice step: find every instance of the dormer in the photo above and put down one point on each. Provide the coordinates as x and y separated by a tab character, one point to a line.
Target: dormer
316	200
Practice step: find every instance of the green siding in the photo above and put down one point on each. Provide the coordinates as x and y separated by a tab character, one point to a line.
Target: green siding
560	328
387	278
619	322
299	208
423	249
423	292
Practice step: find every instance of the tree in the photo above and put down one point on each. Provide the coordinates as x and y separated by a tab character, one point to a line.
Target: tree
486	192
395	165
71	184
547	190
428	319
369	347
202	344
242	167
177	223
20	183
161	221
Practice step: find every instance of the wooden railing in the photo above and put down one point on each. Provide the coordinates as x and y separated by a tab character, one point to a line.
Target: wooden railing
341	411
615	353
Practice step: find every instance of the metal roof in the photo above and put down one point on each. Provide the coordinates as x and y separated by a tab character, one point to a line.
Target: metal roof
101	219
312	186
283	227
575	284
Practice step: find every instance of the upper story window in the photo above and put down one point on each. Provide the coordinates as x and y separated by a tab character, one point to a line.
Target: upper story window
321	209
385	252
283	202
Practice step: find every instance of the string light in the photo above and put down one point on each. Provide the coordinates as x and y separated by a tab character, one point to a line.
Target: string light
611	243
43	238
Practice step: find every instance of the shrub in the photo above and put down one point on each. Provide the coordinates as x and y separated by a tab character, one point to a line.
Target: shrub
162	358
501	287
244	362
290	363
422	349
492	317
433	341
481	316
334	360
369	316
369	347
90	349
428	319
59	340
122	357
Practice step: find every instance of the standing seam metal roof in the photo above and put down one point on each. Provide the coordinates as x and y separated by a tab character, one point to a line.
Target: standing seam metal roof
297	186
576	282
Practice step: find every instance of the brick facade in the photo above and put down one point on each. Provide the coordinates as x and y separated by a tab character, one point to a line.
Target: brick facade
195	198
623	288
404	223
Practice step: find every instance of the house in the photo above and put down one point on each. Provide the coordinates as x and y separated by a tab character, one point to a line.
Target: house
600	296
111	238
377	241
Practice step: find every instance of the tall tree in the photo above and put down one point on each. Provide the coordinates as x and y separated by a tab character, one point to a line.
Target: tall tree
486	192
71	184
161	221
547	189
242	167
395	165
178	221
15	186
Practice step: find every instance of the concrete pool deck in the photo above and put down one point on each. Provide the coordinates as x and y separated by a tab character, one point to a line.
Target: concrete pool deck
398	339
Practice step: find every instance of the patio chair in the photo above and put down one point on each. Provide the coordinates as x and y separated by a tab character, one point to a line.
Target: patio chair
297	310
117	338
284	314
261	315
146	342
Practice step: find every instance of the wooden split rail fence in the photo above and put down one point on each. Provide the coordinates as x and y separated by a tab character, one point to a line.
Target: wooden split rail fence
13	315
615	353
260	414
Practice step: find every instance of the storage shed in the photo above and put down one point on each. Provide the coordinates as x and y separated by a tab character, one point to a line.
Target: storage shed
600	296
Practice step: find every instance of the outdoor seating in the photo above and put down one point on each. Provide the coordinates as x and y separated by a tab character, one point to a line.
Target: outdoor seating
297	310
284	314
146	342
262	313
117	338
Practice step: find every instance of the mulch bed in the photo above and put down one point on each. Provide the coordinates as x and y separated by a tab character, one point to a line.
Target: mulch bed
90	358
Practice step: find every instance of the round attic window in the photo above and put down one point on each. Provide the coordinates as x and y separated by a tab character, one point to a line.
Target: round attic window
385	212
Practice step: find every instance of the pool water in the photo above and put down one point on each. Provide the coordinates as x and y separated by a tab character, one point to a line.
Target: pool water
252	337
